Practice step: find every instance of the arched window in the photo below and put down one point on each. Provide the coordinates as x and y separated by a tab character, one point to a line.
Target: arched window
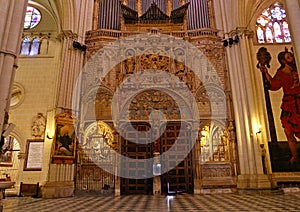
272	26
30	47
32	17
35	47
25	48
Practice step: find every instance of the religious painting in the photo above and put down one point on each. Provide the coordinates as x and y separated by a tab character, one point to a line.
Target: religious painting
6	152
281	94
65	139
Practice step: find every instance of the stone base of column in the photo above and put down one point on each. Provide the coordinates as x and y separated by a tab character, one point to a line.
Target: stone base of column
57	189
253	181
197	186
117	187
156	185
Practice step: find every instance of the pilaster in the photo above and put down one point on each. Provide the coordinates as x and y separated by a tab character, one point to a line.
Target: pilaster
246	114
71	66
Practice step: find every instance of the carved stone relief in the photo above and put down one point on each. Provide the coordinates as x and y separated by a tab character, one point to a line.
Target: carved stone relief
38	126
141	61
143	104
214	143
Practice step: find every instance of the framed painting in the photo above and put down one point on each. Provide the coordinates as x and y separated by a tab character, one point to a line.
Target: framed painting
64	146
7	149
34	155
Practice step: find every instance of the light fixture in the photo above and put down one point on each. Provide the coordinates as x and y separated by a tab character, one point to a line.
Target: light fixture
76	45
225	43
79	46
230	41
236	39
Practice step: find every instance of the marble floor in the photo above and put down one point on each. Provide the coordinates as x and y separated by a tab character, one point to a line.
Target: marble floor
179	202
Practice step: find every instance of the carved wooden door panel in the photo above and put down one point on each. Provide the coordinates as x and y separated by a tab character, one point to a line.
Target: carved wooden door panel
179	178
136	151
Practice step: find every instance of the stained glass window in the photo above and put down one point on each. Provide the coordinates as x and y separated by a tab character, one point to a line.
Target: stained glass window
272	26
32	18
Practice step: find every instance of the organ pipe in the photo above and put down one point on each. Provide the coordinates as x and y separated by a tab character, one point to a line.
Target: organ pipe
109	12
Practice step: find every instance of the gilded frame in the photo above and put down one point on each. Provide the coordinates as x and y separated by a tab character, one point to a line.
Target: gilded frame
64	143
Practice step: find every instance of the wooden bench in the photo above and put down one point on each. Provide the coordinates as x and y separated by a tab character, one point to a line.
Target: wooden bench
29	190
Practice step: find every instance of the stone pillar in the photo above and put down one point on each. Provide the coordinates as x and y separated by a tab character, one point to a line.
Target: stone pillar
293	13
71	66
246	116
11	28
246	112
156	179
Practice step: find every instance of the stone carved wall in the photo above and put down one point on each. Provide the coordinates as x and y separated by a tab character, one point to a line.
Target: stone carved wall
203	75
143	104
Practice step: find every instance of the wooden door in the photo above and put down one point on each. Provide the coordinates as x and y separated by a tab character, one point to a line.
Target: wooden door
180	177
137	168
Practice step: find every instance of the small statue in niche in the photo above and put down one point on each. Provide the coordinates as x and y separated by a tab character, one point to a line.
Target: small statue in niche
38	126
130	65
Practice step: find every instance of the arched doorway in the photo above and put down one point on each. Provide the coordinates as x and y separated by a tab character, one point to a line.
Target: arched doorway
94	154
10	163
155	136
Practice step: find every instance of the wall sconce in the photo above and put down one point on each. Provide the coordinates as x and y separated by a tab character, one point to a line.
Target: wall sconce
79	46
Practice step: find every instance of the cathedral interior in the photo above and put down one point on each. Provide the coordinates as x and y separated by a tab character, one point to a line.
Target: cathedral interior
143	96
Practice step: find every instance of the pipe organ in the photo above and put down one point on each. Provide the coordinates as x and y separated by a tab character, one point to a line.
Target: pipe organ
197	14
109	14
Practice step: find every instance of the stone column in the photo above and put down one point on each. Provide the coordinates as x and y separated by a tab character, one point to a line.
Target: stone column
11	28
246	112
72	62
246	115
156	178
293	13
60	182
